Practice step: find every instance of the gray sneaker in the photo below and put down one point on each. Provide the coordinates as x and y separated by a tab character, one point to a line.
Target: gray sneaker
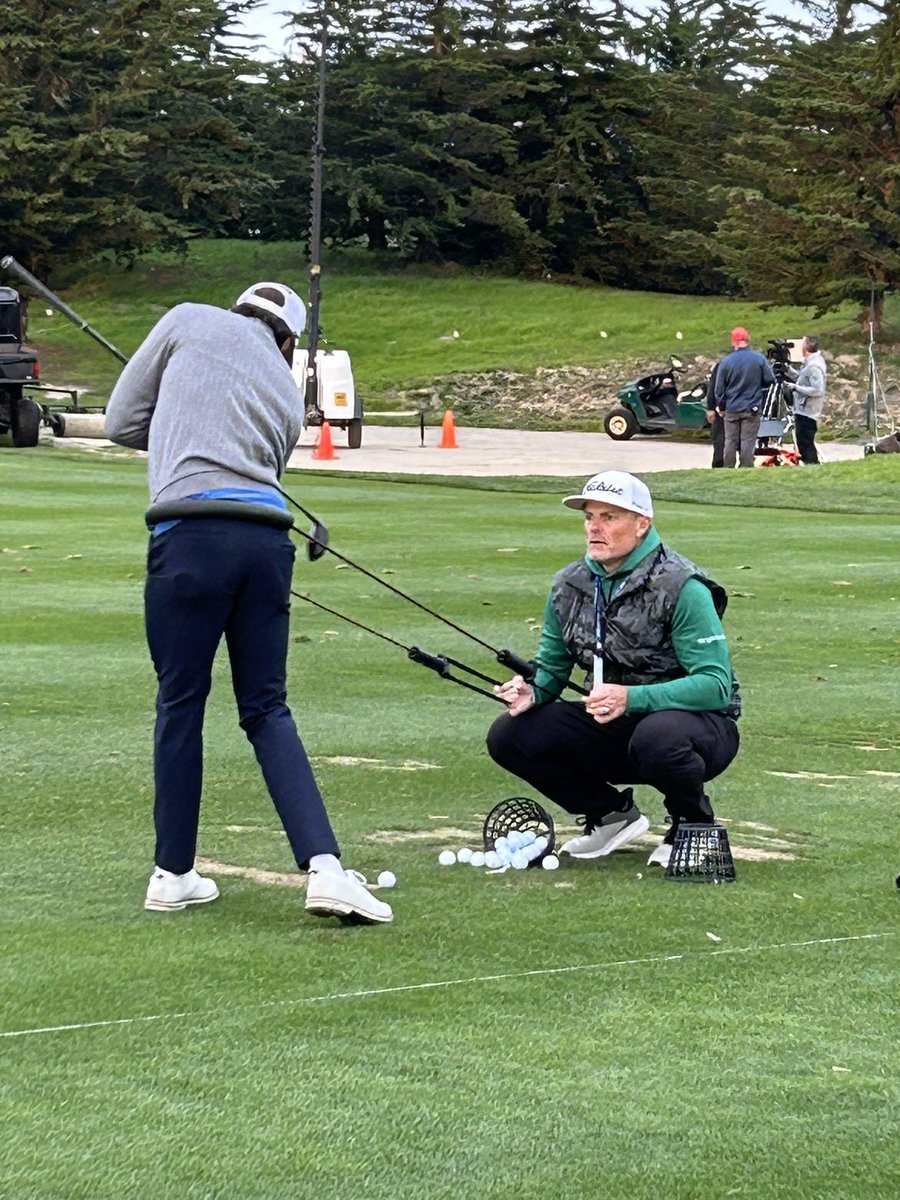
609	833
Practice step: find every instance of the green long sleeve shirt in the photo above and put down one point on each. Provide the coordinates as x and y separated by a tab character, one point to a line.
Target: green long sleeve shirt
697	637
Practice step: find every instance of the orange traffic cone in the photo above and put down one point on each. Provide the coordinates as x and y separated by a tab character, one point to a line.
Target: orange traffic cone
324	448
448	433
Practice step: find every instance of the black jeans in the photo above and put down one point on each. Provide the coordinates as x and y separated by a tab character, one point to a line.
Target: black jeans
717	429
572	760
806	429
206	578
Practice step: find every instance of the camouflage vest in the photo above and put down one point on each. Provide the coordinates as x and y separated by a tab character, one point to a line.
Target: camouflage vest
638	646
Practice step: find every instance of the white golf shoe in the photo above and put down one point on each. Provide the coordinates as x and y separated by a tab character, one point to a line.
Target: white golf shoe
660	856
609	833
345	895
167	892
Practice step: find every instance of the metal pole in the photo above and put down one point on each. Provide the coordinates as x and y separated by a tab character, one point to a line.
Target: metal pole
313	413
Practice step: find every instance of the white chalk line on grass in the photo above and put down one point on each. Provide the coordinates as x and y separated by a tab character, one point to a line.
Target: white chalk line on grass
442	983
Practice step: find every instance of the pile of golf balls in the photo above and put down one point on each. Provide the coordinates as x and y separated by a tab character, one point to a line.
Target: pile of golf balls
516	849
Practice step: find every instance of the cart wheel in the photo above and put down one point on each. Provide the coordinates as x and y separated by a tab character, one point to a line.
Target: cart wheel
621	424
354	433
25	422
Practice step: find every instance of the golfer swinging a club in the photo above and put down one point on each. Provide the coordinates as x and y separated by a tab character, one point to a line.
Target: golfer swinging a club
210	395
645	624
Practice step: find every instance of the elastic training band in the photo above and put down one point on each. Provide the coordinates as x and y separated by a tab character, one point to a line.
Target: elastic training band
235	510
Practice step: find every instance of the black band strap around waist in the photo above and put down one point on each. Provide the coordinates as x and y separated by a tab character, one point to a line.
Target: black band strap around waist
237	510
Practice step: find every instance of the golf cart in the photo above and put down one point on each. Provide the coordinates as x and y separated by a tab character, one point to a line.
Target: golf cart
19	415
654	404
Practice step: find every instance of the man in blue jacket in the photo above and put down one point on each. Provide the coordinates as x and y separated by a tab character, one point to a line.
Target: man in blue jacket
742	380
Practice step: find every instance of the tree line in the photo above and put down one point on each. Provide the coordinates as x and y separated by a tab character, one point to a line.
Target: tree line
687	146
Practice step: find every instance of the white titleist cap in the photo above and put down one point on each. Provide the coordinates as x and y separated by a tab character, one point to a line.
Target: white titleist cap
617	488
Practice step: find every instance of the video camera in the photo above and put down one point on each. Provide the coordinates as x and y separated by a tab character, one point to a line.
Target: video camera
779	355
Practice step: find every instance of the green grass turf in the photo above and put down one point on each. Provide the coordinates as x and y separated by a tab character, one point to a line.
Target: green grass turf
398	325
525	1035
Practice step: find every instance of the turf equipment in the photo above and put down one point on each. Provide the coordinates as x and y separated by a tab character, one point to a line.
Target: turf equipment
701	854
517	815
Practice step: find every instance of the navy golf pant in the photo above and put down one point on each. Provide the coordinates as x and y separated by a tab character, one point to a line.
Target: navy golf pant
205	578
574	761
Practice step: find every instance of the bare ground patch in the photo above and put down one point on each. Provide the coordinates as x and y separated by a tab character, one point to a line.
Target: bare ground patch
375	764
254	874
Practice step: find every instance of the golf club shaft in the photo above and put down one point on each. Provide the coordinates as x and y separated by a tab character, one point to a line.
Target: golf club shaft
522	666
9	264
435	662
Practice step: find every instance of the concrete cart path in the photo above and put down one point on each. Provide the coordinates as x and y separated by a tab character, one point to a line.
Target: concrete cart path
514	452
398	450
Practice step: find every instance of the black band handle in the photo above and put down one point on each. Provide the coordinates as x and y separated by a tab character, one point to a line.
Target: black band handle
237	510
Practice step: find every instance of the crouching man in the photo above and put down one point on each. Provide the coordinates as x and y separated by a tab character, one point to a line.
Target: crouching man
645	623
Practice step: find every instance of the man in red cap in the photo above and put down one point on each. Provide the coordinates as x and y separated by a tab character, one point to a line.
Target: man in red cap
742	379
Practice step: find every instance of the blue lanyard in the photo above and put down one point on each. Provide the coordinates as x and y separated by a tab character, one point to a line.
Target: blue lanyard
599	617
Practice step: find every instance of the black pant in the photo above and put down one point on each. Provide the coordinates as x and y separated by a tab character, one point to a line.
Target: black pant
717	429
572	760
805	428
206	578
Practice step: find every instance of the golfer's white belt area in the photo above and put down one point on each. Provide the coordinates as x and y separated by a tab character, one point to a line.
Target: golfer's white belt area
331	997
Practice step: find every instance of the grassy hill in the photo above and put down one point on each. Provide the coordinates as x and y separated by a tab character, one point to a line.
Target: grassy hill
409	327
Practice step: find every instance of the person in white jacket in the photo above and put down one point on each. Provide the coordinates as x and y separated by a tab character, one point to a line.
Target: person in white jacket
809	398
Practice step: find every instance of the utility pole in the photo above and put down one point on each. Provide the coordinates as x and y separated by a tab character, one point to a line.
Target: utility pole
311	399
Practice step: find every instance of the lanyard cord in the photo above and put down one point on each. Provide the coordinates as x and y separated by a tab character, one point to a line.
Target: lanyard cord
599	629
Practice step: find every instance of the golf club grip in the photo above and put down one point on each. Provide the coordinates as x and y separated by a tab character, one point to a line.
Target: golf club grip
521	666
434	661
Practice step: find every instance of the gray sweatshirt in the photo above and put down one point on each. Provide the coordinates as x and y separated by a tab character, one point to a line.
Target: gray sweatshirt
212	399
809	390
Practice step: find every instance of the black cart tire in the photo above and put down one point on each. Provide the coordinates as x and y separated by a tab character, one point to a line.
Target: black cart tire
25	423
621	424
354	433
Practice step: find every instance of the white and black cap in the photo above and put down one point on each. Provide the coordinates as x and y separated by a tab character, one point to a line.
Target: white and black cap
617	488
278	300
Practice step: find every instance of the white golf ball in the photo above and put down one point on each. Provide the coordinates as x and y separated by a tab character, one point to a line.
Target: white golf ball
550	863
387	879
464	855
501	844
492	859
519	861
446	858
477	858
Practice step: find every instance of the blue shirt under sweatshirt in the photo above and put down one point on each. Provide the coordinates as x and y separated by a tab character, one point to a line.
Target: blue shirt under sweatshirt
247	495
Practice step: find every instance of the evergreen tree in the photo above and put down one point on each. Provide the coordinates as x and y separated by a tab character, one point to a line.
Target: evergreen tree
115	127
697	60
819	222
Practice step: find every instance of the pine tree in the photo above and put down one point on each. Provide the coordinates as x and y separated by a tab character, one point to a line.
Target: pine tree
819	222
115	127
